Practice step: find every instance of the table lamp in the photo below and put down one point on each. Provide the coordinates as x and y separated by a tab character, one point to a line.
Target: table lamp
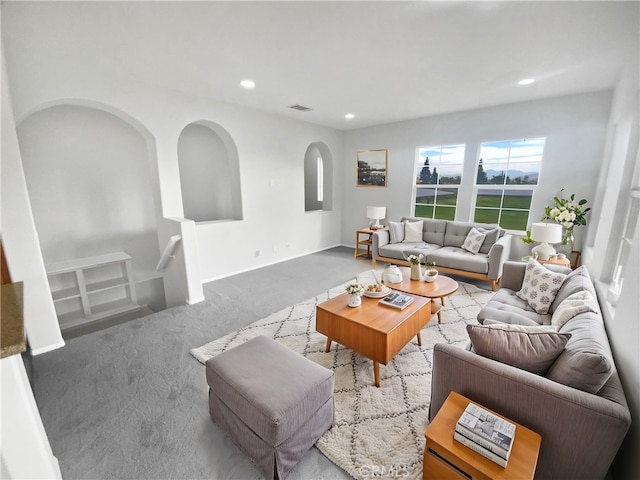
545	233
377	214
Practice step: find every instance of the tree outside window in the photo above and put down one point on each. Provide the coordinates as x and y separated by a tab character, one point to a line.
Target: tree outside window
438	177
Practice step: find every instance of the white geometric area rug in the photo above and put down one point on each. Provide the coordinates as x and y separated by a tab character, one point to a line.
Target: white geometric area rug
377	432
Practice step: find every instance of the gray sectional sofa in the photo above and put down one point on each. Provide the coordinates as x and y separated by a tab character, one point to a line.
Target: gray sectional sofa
575	401
441	243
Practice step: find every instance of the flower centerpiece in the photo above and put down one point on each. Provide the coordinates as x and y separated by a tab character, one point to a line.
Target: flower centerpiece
355	291
568	213
415	260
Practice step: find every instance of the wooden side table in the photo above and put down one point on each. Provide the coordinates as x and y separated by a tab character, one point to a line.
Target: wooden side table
446	458
367	242
565	262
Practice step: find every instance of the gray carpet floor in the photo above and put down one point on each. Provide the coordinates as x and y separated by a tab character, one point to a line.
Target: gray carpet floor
130	402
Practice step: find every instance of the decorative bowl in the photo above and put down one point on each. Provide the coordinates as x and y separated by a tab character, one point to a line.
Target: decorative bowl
429	276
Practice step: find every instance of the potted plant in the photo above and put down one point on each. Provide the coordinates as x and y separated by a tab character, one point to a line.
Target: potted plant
355	291
430	273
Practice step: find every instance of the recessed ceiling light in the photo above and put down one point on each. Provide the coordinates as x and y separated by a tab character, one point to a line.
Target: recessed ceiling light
349	116
526	81
248	84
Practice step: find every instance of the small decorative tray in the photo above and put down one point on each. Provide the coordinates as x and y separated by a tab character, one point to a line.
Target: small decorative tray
374	294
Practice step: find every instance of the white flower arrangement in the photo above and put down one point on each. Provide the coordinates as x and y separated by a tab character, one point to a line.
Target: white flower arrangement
415	259
355	289
567	212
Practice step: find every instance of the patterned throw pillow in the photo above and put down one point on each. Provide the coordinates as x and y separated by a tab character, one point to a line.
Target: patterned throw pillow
474	240
540	286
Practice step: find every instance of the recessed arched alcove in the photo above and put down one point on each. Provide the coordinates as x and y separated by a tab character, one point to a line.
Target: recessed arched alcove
92	182
318	175
209	173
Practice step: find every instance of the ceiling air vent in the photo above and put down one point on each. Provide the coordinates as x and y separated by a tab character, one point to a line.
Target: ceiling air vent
300	107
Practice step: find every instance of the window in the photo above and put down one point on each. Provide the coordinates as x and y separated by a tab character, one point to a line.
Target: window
507	176
438	178
320	177
624	248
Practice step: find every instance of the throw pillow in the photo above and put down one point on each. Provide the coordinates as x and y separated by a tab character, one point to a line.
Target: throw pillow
529	348
474	240
491	236
413	232
396	232
574	304
540	286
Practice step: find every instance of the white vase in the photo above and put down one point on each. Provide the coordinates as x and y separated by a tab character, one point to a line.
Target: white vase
354	301
415	272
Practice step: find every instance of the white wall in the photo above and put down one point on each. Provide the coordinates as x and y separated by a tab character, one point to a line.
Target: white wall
574	126
20	238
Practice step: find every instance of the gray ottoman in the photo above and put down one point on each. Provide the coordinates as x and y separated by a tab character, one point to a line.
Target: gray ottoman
273	402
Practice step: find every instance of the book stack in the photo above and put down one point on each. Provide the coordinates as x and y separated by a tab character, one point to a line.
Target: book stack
396	300
485	433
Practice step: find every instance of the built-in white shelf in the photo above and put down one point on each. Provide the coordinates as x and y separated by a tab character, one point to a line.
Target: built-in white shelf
92	288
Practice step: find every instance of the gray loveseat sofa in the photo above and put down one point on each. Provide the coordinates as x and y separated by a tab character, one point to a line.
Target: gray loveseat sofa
442	243
578	406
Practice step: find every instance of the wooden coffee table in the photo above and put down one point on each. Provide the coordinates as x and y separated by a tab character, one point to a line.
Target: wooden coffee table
375	331
441	288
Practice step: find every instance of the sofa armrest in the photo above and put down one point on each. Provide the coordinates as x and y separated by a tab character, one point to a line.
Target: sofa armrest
498	254
581	432
513	275
380	238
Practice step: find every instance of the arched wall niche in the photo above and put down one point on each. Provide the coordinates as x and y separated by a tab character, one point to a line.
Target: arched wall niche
92	179
318	178
209	173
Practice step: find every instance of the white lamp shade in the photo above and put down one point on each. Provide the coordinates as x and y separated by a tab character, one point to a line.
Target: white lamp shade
546	232
376	213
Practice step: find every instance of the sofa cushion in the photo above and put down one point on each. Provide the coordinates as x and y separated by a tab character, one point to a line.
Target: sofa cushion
586	363
533	349
533	328
456	233
434	230
397	250
574	304
540	286
396	232
577	281
474	240
413	232
452	257
507	307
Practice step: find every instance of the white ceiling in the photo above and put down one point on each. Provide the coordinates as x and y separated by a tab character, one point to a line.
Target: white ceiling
383	61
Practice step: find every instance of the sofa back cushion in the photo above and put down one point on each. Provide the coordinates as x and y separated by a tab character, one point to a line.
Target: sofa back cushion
586	362
577	281
456	233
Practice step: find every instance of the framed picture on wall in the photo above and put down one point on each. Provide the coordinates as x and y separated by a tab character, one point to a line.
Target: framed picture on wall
371	168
